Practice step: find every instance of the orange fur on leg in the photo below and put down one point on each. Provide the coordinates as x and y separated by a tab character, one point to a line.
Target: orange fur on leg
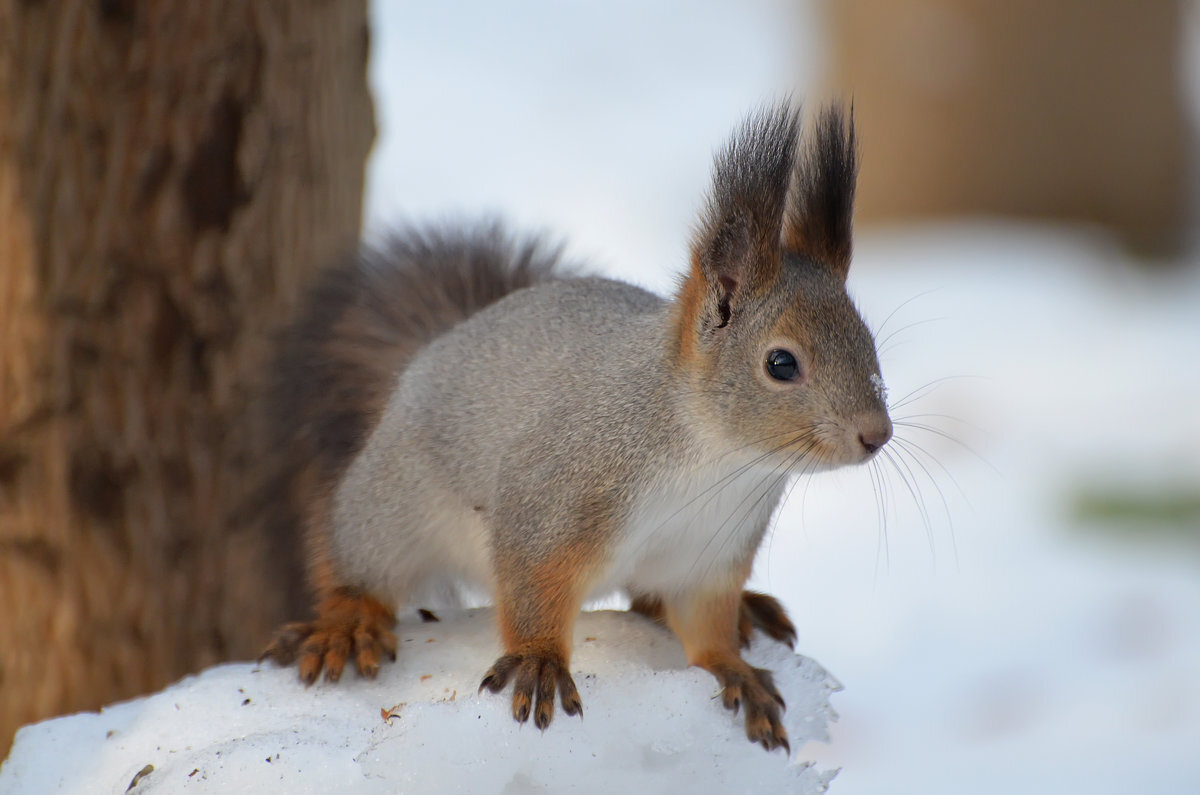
707	625
757	611
536	615
765	613
350	623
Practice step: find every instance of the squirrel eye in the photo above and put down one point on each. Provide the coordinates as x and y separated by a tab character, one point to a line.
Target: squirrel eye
782	365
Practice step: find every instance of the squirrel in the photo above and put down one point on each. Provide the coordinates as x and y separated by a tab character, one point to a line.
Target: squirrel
456	406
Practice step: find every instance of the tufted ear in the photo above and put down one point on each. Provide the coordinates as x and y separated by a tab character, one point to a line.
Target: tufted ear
736	246
820	213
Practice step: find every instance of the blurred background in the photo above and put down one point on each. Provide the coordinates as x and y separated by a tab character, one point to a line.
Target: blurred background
1011	597
1012	600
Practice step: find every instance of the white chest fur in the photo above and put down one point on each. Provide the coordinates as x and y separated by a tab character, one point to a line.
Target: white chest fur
693	526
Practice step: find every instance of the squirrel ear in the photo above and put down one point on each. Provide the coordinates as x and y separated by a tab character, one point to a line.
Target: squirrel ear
820	213
736	246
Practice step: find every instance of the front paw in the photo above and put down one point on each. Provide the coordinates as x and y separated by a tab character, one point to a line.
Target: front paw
534	672
754	690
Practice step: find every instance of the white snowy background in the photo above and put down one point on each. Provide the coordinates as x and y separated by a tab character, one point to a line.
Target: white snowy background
993	642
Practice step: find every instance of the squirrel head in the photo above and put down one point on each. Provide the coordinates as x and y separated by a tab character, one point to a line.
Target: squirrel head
778	356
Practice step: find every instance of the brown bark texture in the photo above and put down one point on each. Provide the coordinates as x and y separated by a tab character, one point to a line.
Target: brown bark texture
171	175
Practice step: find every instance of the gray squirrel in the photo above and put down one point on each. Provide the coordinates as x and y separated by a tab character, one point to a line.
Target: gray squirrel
455	407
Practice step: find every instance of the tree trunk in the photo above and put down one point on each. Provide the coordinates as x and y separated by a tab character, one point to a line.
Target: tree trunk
171	174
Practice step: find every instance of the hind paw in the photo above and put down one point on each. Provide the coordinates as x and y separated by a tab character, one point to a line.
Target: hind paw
756	610
350	624
767	614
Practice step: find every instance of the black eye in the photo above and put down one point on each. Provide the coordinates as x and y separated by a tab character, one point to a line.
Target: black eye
782	365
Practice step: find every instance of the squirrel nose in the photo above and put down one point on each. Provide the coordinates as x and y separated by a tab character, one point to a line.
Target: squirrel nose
873	438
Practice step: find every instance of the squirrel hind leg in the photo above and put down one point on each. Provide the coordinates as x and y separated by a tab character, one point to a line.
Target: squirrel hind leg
765	613
350	624
757	611
649	606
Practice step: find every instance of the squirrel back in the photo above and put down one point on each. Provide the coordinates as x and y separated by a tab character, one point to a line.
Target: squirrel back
361	323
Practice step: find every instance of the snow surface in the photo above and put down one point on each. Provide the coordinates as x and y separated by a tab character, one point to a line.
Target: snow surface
650	725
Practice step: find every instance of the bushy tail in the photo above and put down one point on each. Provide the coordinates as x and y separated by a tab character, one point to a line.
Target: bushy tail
361	325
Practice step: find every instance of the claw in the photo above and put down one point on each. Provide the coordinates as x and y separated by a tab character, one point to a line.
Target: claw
540	677
310	668
753	690
350	624
569	695
767	614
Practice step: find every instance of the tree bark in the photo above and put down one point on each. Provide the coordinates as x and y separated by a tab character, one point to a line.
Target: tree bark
171	175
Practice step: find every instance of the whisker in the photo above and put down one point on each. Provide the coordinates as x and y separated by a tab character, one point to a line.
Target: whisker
776	478
717	487
929	388
713	491
948	417
903	450
888	494
798	434
882	545
881	345
892	314
914	489
805	475
774	522
910	446
949	437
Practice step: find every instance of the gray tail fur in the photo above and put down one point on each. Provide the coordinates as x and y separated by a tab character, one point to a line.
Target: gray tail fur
360	326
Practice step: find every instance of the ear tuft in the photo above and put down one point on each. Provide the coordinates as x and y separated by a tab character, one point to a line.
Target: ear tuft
820	212
737	241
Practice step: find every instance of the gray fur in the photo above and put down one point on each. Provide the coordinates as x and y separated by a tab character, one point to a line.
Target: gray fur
589	420
509	413
473	420
336	365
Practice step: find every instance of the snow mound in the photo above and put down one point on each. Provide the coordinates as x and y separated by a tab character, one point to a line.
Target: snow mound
650	725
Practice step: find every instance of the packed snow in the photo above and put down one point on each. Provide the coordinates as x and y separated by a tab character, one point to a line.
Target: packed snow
650	725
